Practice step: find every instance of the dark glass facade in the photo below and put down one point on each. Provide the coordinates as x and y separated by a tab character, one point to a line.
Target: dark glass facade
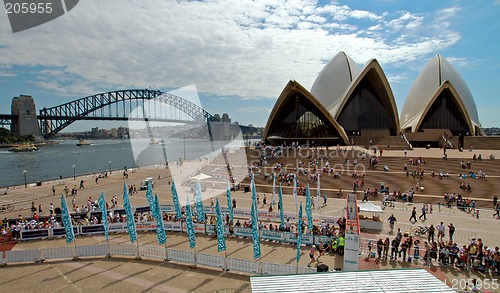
445	114
366	108
299	120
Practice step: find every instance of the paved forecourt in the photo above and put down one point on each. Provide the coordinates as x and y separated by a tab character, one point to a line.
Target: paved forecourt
137	276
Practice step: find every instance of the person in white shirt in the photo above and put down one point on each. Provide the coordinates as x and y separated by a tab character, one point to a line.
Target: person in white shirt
440	228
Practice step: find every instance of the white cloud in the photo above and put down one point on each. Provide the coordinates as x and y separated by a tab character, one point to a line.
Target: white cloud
227	47
397	78
253	110
463	62
363	14
7	74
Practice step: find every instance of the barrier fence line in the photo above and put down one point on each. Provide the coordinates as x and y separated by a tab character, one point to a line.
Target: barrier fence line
181	256
58	253
210	260
152	252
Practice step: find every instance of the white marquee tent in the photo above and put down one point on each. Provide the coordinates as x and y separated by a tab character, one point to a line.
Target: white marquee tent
369	207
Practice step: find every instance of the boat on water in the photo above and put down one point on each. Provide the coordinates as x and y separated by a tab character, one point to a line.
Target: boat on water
23	148
154	142
82	142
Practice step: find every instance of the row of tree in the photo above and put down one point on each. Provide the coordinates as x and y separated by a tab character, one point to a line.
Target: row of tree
7	137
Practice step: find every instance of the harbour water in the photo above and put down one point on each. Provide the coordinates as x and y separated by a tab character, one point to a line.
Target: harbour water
53	161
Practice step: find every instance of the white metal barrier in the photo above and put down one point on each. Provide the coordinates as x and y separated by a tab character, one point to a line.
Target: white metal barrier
306	270
181	256
277	269
152	252
210	260
92	250
57	253
22	255
123	249
155	252
243	265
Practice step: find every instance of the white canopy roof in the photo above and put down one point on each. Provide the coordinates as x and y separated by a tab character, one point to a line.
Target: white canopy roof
201	176
369	207
406	280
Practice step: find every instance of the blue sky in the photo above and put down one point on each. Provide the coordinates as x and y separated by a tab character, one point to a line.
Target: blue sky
240	54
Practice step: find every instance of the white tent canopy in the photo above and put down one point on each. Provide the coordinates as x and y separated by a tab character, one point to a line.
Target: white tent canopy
369	207
201	176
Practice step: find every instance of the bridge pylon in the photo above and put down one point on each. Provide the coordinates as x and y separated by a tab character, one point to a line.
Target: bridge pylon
26	121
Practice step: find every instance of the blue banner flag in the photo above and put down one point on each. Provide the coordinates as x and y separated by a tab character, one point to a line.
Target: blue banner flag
255	223
66	219
160	230
308	209
198	201
229	203
175	199
282	213
190	225
104	214
221	238
151	199
130	216
299	234
254	192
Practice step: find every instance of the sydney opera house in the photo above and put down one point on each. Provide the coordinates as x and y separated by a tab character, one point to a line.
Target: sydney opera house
349	104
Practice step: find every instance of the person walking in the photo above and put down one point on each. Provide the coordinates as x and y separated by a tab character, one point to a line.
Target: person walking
424	213
497	211
365	196
392	220
431	232
451	231
441	229
312	253
413	215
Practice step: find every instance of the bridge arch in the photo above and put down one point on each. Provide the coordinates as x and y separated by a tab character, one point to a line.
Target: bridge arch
55	119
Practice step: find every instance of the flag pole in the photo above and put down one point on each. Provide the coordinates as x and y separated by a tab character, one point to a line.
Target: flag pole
195	264
108	255
166	253
138	257
75	258
225	261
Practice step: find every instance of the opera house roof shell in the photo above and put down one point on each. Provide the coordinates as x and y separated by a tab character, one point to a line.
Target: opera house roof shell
348	100
344	96
441	91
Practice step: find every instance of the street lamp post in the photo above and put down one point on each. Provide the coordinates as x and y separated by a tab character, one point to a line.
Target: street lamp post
109	163
184	138
25	184
74	172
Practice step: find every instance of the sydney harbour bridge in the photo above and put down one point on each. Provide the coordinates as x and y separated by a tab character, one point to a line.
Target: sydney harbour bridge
125	105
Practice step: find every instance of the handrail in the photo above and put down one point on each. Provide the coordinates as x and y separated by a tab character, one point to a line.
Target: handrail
448	143
407	142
